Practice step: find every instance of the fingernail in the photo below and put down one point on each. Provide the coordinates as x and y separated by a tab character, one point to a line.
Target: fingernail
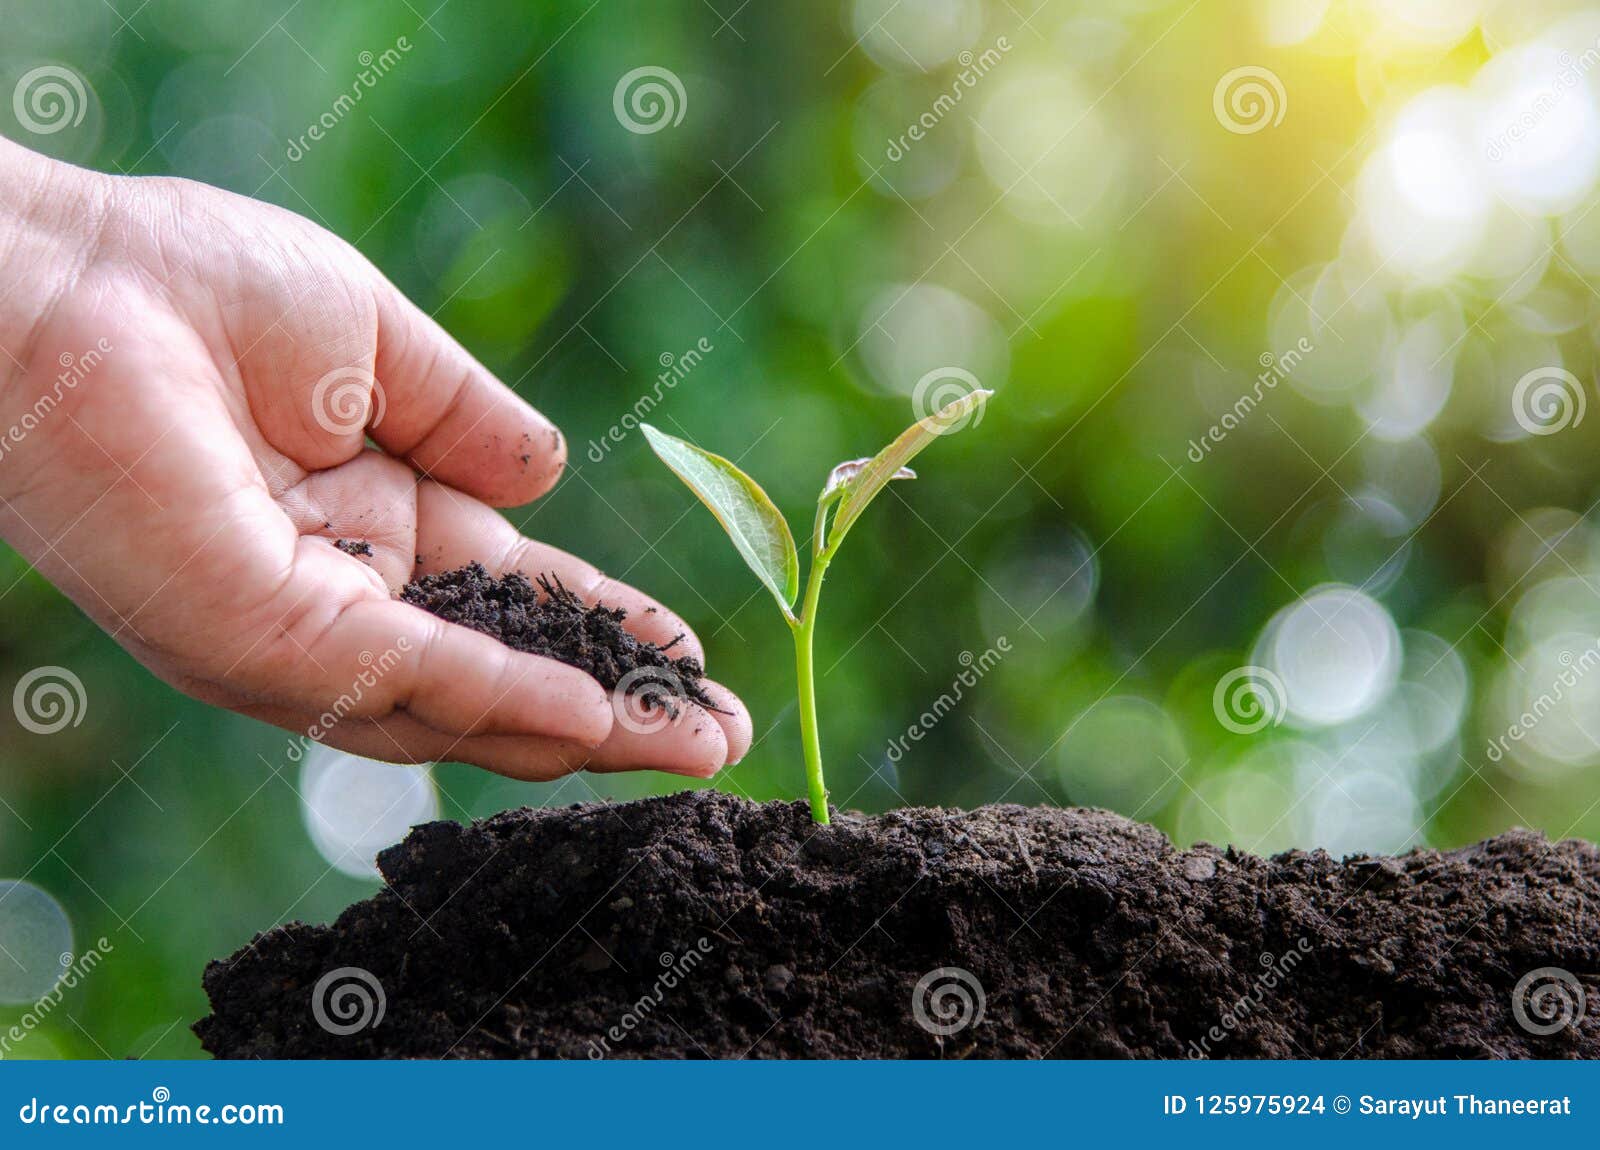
691	772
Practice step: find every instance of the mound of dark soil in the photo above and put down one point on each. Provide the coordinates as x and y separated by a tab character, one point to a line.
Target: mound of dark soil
559	625
704	925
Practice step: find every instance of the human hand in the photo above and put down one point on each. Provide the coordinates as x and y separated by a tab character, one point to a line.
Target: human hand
188	381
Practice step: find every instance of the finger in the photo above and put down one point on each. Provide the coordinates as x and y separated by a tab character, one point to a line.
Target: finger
451	418
462	682
376	655
453	531
690	743
733	717
395	738
349	356
401	738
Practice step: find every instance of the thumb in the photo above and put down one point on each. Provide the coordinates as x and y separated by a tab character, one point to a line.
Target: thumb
308	373
348	356
451	418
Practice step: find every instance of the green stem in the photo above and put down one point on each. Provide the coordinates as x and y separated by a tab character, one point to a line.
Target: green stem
804	628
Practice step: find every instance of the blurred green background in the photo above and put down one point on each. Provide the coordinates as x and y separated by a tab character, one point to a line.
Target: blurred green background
1277	532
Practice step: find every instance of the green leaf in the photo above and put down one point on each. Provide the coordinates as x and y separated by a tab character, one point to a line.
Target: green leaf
746	513
841	475
882	468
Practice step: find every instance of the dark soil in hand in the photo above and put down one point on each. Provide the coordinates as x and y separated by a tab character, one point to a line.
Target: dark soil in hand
559	625
704	925
357	547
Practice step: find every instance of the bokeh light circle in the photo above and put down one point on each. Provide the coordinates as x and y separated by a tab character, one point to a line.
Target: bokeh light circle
1124	753
37	936
914	35
1337	652
354	807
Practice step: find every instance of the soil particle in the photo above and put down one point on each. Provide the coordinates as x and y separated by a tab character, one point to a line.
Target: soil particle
559	625
359	547
1084	935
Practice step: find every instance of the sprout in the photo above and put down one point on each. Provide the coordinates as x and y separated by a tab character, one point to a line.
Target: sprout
762	537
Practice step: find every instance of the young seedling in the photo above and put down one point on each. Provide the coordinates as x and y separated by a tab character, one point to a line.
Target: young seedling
762	537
